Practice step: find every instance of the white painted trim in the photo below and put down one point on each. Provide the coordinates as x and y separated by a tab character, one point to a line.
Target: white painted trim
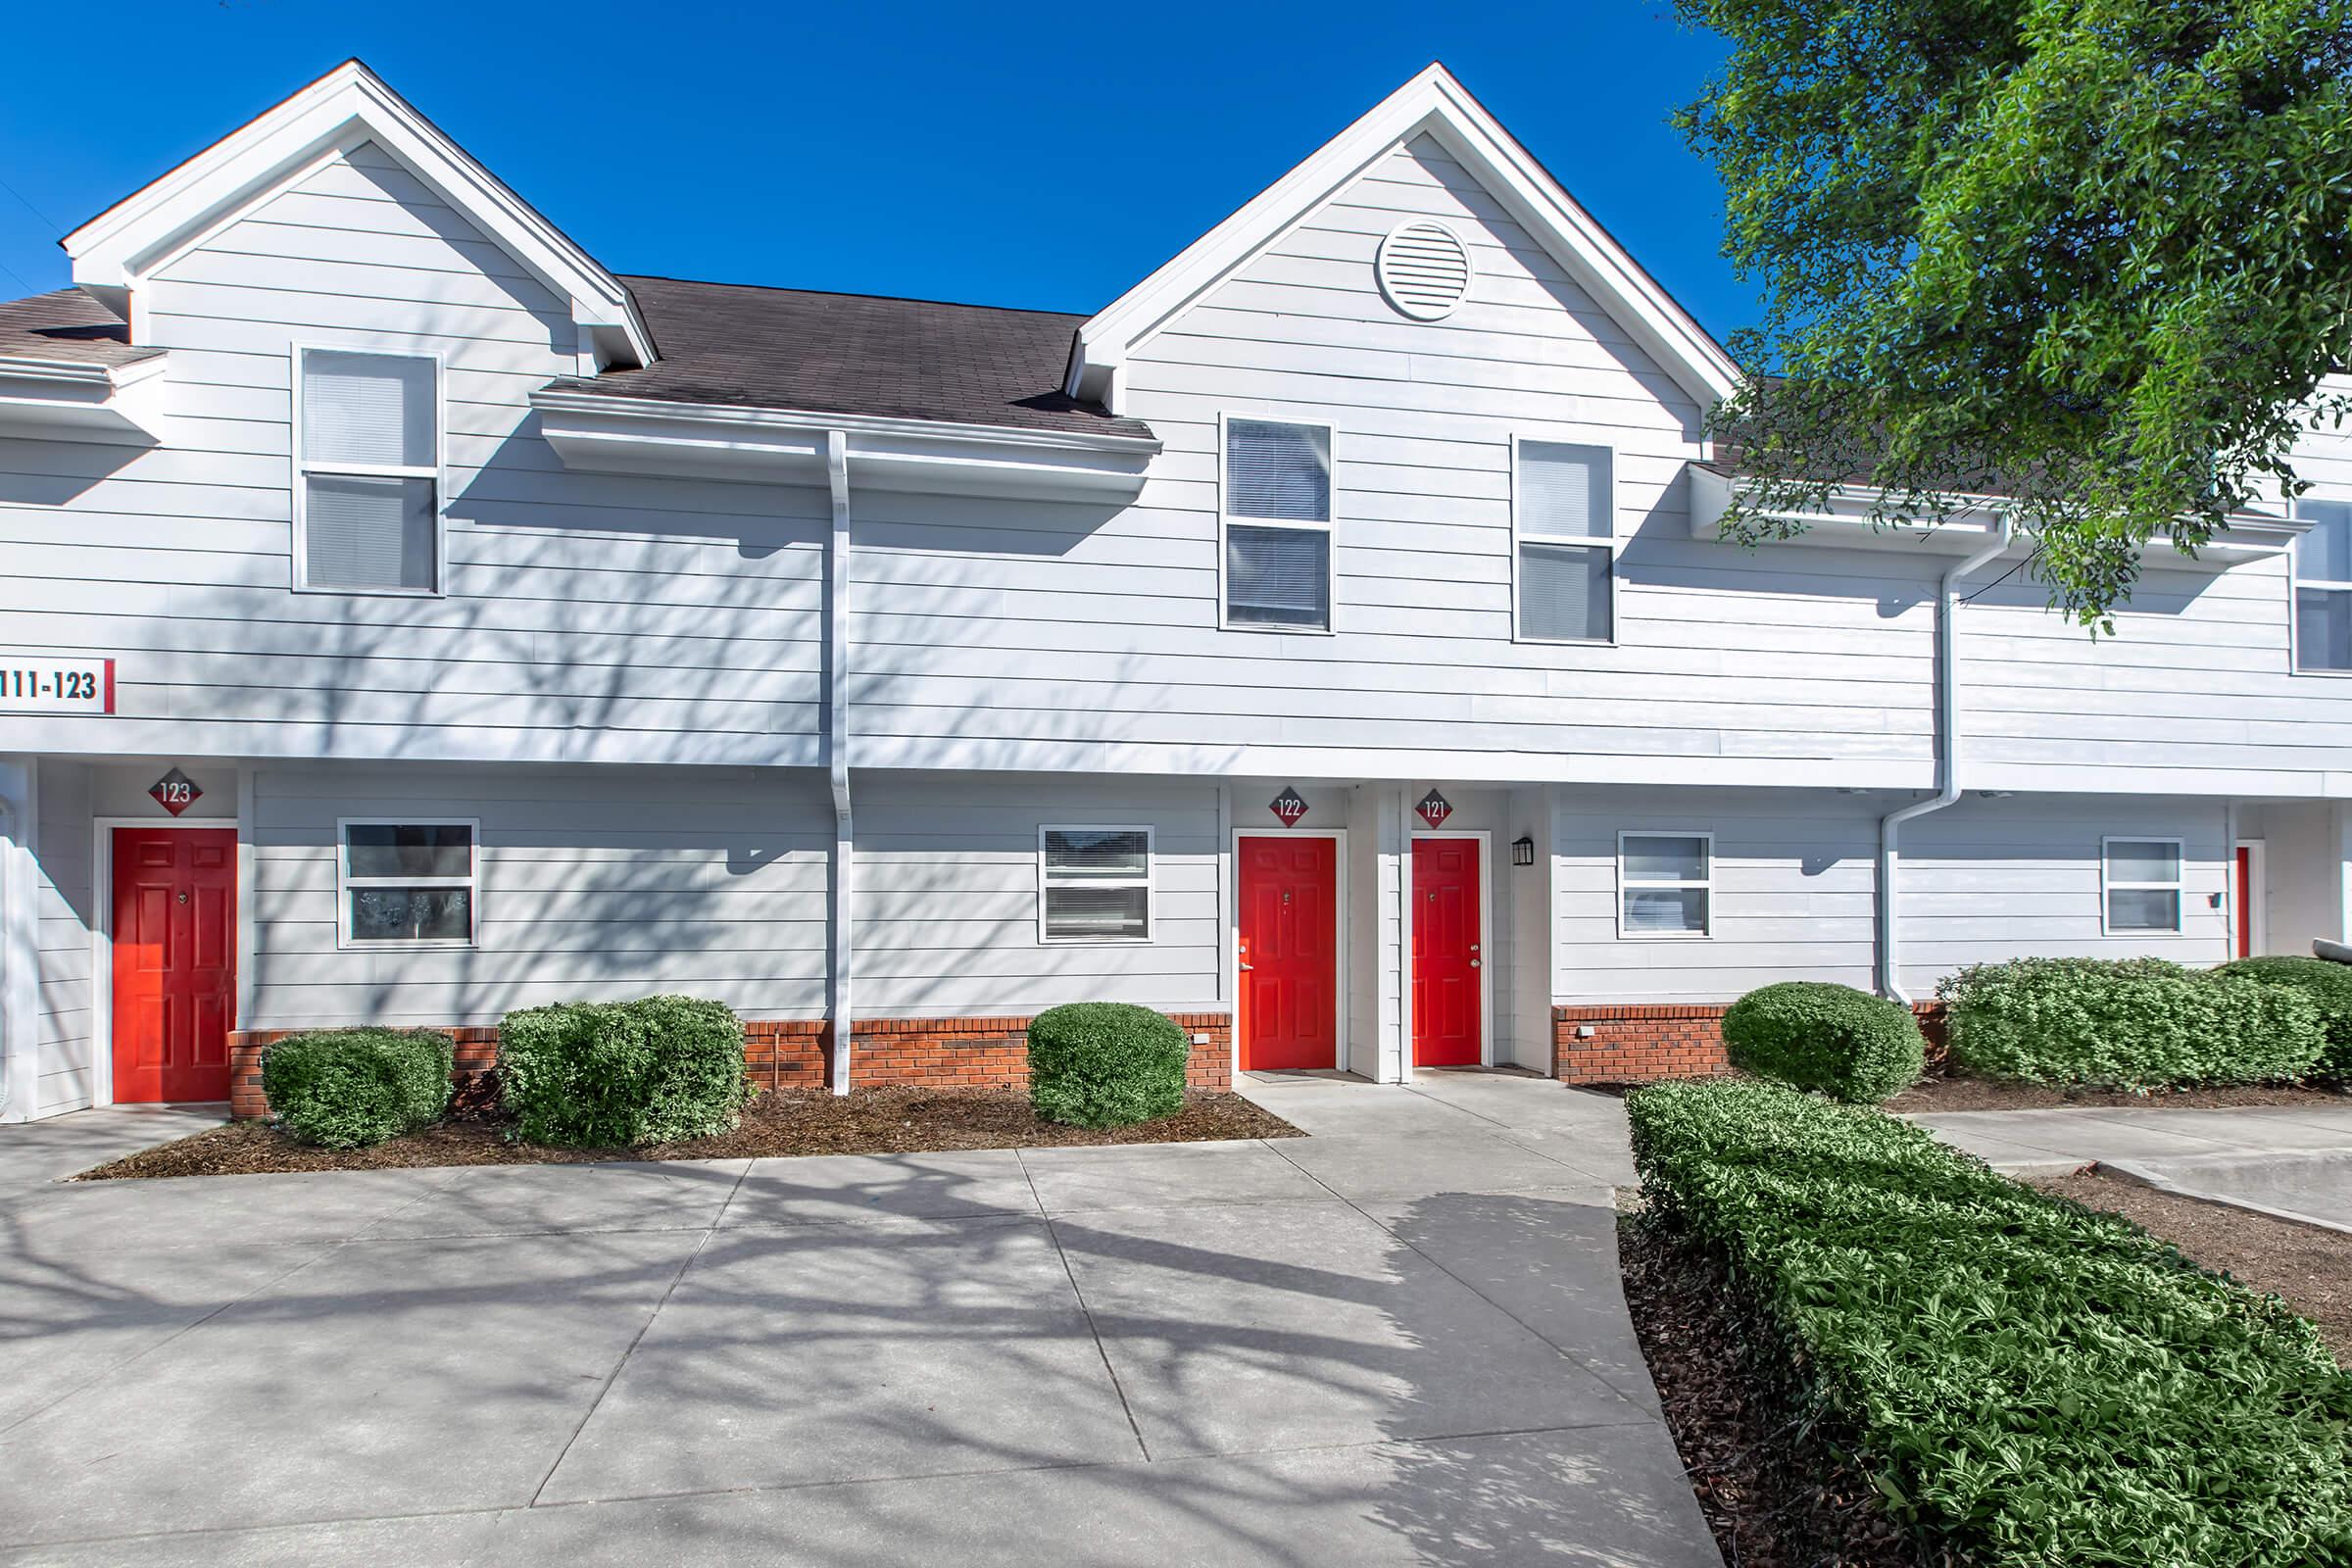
1338	937
1433	104
1614	544
2177	887
1328	527
2257	895
102	938
344	883
1148	882
1485	941
437	471
1706	835
20	939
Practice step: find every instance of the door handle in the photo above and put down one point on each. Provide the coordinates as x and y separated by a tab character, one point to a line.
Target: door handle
1248	966
1473	963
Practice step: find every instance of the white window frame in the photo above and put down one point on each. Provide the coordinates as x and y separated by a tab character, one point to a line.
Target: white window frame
1148	882
2297	582
1613	544
436	471
345	883
1225	519
2177	887
1705	932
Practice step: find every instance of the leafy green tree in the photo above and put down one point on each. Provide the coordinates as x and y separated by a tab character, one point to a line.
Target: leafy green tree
2093	254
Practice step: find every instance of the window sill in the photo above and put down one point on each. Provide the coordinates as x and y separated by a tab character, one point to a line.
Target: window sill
373	592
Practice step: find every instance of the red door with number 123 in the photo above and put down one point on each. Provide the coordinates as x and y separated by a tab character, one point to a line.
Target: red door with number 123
175	958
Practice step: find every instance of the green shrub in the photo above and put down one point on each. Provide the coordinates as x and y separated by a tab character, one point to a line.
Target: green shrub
1105	1064
2328	985
348	1087
1845	1043
614	1074
2139	1023
2028	1383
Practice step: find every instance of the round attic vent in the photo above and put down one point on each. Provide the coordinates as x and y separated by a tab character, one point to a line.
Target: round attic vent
1424	269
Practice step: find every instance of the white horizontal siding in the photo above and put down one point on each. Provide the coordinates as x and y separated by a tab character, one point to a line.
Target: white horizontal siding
595	884
63	909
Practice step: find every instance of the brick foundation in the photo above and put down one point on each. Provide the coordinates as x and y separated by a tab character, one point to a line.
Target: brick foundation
1639	1043
796	1052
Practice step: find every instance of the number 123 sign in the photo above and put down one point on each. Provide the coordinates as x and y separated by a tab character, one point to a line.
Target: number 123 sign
50	685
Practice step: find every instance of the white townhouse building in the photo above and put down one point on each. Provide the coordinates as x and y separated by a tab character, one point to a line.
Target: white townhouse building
403	619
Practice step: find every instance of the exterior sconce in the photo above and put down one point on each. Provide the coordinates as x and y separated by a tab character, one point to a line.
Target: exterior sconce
1523	851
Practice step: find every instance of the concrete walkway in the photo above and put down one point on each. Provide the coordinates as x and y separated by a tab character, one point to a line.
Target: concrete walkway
1401	1341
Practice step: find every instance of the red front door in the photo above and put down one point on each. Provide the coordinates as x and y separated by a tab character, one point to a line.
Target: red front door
1290	991
1448	955
175	958
2241	901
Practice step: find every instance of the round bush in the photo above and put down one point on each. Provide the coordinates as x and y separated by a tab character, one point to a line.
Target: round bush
1105	1064
348	1087
2328	988
1846	1044
616	1074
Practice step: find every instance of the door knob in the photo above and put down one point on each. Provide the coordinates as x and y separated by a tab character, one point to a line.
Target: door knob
1473	963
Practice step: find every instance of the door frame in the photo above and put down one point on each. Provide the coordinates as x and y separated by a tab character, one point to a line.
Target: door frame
1486	933
2257	896
1339	936
102	937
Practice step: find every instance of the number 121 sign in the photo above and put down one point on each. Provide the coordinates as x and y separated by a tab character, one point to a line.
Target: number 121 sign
56	685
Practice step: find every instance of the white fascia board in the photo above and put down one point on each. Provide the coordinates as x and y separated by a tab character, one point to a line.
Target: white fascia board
1435	105
628	436
350	105
61	399
1845	524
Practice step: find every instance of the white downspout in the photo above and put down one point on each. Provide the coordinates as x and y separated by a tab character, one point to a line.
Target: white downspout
836	750
1947	762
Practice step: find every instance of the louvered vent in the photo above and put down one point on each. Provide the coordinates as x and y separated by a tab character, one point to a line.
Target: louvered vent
1424	269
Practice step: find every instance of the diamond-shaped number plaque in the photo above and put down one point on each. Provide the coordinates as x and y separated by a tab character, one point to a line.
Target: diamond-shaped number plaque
176	792
1290	806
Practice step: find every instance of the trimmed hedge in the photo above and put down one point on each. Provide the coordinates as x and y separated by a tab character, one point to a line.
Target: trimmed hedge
2134	1023
614	1074
1105	1064
1847	1044
350	1088
2328	985
2029	1382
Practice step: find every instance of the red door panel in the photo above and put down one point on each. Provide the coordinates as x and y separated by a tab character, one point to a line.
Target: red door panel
2241	902
1449	956
1289	952
176	947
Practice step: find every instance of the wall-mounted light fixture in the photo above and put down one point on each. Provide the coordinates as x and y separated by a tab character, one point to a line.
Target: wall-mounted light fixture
1523	851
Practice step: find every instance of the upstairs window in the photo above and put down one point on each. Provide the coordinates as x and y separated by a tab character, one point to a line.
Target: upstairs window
2140	885
1665	884
1277	512
1095	883
410	883
2324	586
1564	529
368	480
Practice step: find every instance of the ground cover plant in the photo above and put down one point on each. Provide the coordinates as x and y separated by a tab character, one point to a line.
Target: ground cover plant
2134	1023
1105	1064
617	1074
350	1088
1845	1043
2025	1381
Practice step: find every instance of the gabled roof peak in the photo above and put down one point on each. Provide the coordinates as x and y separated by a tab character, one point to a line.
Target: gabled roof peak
348	106
1435	104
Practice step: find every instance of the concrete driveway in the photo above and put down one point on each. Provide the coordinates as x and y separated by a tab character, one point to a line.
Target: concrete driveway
1398	1342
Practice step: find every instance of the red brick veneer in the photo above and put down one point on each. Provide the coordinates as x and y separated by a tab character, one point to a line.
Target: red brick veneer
1643	1042
796	1052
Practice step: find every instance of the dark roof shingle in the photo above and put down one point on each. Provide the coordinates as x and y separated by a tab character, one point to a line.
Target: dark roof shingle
744	346
65	324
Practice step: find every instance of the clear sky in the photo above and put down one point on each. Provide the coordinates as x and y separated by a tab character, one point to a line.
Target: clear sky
1043	155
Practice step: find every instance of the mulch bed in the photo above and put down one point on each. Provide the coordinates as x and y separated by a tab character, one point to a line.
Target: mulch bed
2307	1267
787	1121
1940	1093
1771	1501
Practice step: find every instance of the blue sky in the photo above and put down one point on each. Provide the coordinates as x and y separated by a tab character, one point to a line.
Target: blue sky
1039	155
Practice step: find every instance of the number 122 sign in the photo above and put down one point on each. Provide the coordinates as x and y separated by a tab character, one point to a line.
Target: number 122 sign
56	685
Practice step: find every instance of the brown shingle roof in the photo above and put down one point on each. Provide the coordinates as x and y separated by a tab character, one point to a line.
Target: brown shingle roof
748	347
65	324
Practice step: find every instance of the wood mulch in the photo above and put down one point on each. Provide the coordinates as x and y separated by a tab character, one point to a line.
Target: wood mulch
788	1121
1771	1501
1941	1092
2307	1267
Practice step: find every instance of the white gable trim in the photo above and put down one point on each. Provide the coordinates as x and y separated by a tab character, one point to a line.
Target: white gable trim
131	241
1433	104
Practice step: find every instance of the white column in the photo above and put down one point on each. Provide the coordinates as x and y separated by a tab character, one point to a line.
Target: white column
20	953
